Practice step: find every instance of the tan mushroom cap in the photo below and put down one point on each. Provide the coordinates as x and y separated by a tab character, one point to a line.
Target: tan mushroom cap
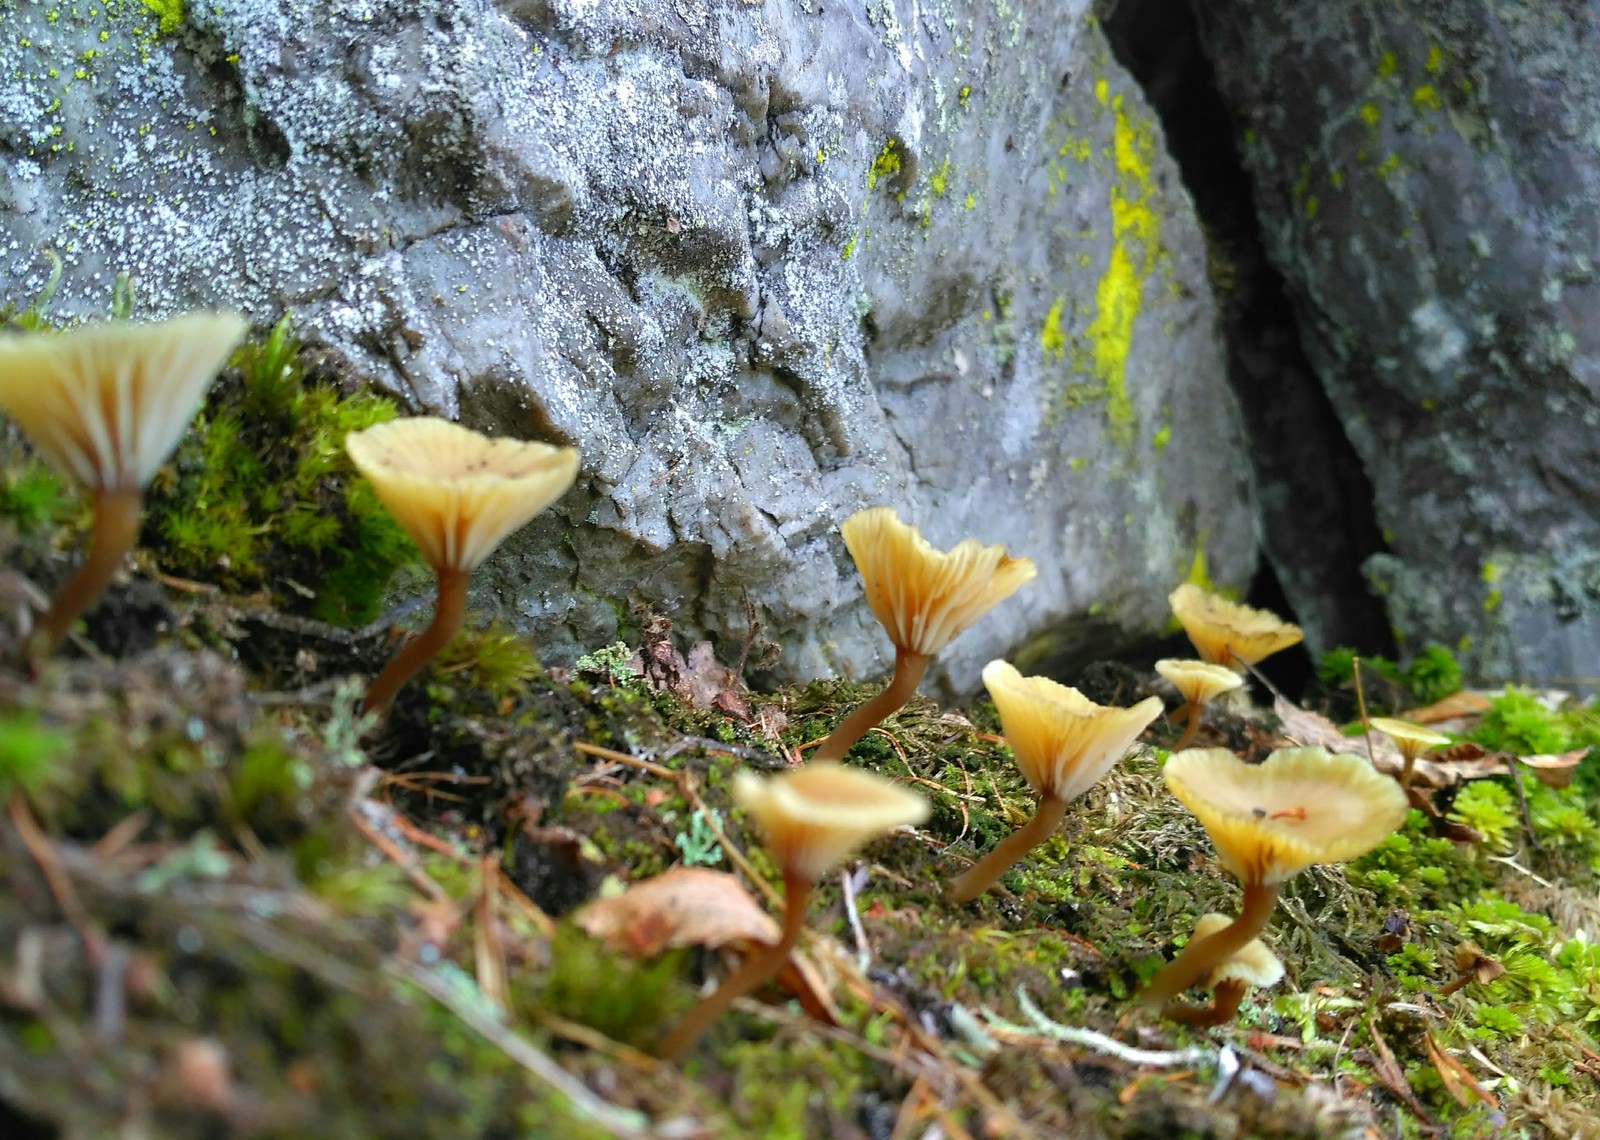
456	492
1063	742
813	817
924	597
1253	964
1413	739
107	403
1301	806
1198	681
1227	633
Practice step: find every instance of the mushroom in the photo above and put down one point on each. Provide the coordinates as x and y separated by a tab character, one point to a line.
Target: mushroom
1197	682
1411	739
1064	743
1270	821
811	818
458	494
107	403
923	598
1227	633
1251	966
1472	965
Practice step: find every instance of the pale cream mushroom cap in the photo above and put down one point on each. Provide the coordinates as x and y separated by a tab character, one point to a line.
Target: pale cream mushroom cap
813	817
1226	633
1300	806
107	403
924	597
1253	964
1198	681
1063	742
1413	739
456	492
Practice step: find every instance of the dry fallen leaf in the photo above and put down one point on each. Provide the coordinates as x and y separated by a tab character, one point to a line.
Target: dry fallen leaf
1555	771
686	906
695	906
1305	727
1459	705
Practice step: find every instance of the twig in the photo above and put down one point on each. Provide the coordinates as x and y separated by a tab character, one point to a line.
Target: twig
1099	1042
591	1038
1361	706
617	1121
55	877
863	947
1522	800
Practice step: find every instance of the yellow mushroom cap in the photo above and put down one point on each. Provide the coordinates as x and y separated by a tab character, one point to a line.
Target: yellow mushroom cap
107	403
923	597
456	492
1413	739
1063	742
1301	806
1225	632
1198	681
1253	964
815	816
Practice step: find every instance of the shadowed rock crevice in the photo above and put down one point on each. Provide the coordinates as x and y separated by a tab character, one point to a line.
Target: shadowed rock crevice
1318	526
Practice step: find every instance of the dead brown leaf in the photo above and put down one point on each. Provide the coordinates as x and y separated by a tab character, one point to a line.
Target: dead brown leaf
1459	705
685	906
1302	726
1555	771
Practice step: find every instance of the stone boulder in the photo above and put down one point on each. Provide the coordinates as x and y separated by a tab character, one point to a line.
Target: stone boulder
1428	182
764	263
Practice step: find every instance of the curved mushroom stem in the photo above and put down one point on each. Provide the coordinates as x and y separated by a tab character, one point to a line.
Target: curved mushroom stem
1189	729
1202	955
116	528
756	969
447	614
1224	1007
982	874
908	670
1411	760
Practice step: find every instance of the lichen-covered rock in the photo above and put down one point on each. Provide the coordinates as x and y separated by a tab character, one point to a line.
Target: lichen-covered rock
764	263
1427	179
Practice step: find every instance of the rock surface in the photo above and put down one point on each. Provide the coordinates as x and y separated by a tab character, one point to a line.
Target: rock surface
764	263
1427	177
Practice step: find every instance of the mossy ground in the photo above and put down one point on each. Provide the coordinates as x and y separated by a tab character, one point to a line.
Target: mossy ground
230	909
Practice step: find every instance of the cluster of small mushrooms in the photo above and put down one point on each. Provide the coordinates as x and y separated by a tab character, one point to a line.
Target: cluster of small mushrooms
108	404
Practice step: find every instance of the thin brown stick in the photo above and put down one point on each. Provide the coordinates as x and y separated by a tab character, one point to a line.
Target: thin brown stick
908	670
116	529
55	877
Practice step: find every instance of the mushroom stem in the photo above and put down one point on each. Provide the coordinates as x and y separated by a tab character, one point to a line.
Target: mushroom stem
1189	729
1202	955
982	874
908	670
1224	1007
116	528
756	969
1410	755
447	614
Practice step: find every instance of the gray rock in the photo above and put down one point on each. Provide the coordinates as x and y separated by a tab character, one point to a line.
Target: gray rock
765	264
1427	179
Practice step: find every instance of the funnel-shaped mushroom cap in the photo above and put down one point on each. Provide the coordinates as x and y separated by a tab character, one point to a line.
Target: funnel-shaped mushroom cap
923	597
458	493
1198	681
1063	741
1253	964
1413	739
1227	633
1301	806
815	816
107	403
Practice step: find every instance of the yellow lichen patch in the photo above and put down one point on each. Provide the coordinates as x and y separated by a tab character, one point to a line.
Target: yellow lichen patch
1051	338
1135	232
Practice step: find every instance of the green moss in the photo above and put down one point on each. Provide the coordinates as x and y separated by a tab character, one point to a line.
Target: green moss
261	494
